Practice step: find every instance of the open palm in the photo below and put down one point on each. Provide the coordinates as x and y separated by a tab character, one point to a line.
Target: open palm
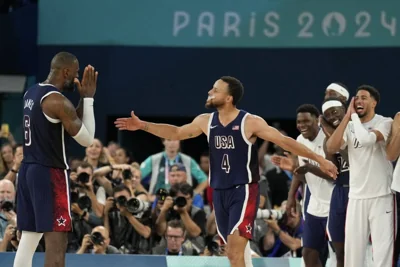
287	162
131	124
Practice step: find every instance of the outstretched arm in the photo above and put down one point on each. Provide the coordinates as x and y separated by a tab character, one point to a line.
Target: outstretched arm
167	131
262	130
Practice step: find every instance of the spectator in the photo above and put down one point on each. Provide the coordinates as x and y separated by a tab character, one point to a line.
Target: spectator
112	148
130	233
74	163
18	156
122	156
176	245
97	243
156	168
7	206
96	155
7	158
193	218
11	240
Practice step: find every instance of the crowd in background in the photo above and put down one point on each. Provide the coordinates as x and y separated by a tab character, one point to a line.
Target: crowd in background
160	206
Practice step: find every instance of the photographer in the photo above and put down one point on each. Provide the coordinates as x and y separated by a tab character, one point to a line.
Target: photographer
97	243
11	240
176	245
179	206
7	206
128	220
83	180
283	238
18	156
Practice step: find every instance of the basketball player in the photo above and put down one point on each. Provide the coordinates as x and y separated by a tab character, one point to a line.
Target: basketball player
371	202
43	206
234	171
337	90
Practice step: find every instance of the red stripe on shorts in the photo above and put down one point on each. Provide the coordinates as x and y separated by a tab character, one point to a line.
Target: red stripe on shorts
247	225
61	205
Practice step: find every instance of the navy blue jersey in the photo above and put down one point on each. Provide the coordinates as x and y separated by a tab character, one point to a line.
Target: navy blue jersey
344	175
43	136
233	159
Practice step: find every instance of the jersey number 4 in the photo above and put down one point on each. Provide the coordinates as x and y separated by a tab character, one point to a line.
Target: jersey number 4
27	130
225	163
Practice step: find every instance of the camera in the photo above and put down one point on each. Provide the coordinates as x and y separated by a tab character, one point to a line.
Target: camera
135	205
14	235
213	247
180	202
83	202
127	174
121	200
83	178
7	206
96	238
162	194
278	215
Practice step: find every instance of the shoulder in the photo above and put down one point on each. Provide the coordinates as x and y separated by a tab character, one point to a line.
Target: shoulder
300	138
202	118
254	121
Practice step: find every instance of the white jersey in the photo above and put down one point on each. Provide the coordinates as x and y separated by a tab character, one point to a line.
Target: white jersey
370	171
321	189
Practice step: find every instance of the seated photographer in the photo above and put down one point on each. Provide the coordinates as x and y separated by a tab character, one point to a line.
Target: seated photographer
11	240
179	206
283	238
83	181
97	243
176	245
128	220
7	206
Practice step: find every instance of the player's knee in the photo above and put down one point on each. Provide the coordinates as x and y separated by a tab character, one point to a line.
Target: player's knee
235	256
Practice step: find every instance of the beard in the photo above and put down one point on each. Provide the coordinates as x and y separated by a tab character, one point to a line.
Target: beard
69	86
213	104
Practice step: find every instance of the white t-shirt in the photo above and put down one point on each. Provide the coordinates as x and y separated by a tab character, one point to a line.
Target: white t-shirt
370	171
321	189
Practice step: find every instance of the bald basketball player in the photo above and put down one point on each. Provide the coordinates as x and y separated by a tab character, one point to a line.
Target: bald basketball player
43	206
234	173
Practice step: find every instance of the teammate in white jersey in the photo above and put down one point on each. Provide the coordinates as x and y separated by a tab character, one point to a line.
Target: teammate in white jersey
393	152
371	201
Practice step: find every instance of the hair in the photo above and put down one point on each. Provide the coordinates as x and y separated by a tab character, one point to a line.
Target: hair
184	188
85	165
135	165
62	60
235	88
121	188
176	224
102	157
3	164
372	91
128	154
205	154
308	108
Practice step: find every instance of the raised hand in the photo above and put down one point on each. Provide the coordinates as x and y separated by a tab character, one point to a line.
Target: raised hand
287	162
329	168
131	124
87	87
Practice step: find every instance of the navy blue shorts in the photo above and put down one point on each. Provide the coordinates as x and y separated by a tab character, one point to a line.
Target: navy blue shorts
43	199
314	232
236	209
337	213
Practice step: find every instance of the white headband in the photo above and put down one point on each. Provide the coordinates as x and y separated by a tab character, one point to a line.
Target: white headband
330	104
340	89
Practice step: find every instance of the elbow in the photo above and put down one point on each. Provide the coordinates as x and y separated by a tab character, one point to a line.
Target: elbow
147	232
195	233
332	148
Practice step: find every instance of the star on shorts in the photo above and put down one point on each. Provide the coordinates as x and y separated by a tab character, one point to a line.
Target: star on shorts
248	228
61	221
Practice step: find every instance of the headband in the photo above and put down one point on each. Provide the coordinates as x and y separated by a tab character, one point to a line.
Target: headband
330	104
340	89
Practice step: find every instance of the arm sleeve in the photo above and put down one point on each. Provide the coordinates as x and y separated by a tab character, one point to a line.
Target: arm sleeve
363	136
385	127
85	136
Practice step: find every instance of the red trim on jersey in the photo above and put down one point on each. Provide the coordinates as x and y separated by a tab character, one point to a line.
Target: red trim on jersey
61	215
246	228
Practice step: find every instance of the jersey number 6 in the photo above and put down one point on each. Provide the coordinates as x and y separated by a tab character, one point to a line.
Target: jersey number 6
225	163
27	130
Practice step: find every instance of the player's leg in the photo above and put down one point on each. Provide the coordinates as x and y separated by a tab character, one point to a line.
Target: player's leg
243	205
383	229
221	214
356	231
314	240
55	217
26	219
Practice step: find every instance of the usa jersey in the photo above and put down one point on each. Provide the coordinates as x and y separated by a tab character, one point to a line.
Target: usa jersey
233	158
344	175
43	136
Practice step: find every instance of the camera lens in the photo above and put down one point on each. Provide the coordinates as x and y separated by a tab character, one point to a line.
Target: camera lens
121	200
7	206
84	203
127	174
135	205
83	178
97	238
180	202
162	194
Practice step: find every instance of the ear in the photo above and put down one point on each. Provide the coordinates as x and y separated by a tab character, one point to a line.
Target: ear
229	98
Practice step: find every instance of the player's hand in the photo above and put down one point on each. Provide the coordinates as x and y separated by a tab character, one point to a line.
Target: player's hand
87	87
351	109
109	205
131	124
301	170
168	202
286	162
86	241
328	167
